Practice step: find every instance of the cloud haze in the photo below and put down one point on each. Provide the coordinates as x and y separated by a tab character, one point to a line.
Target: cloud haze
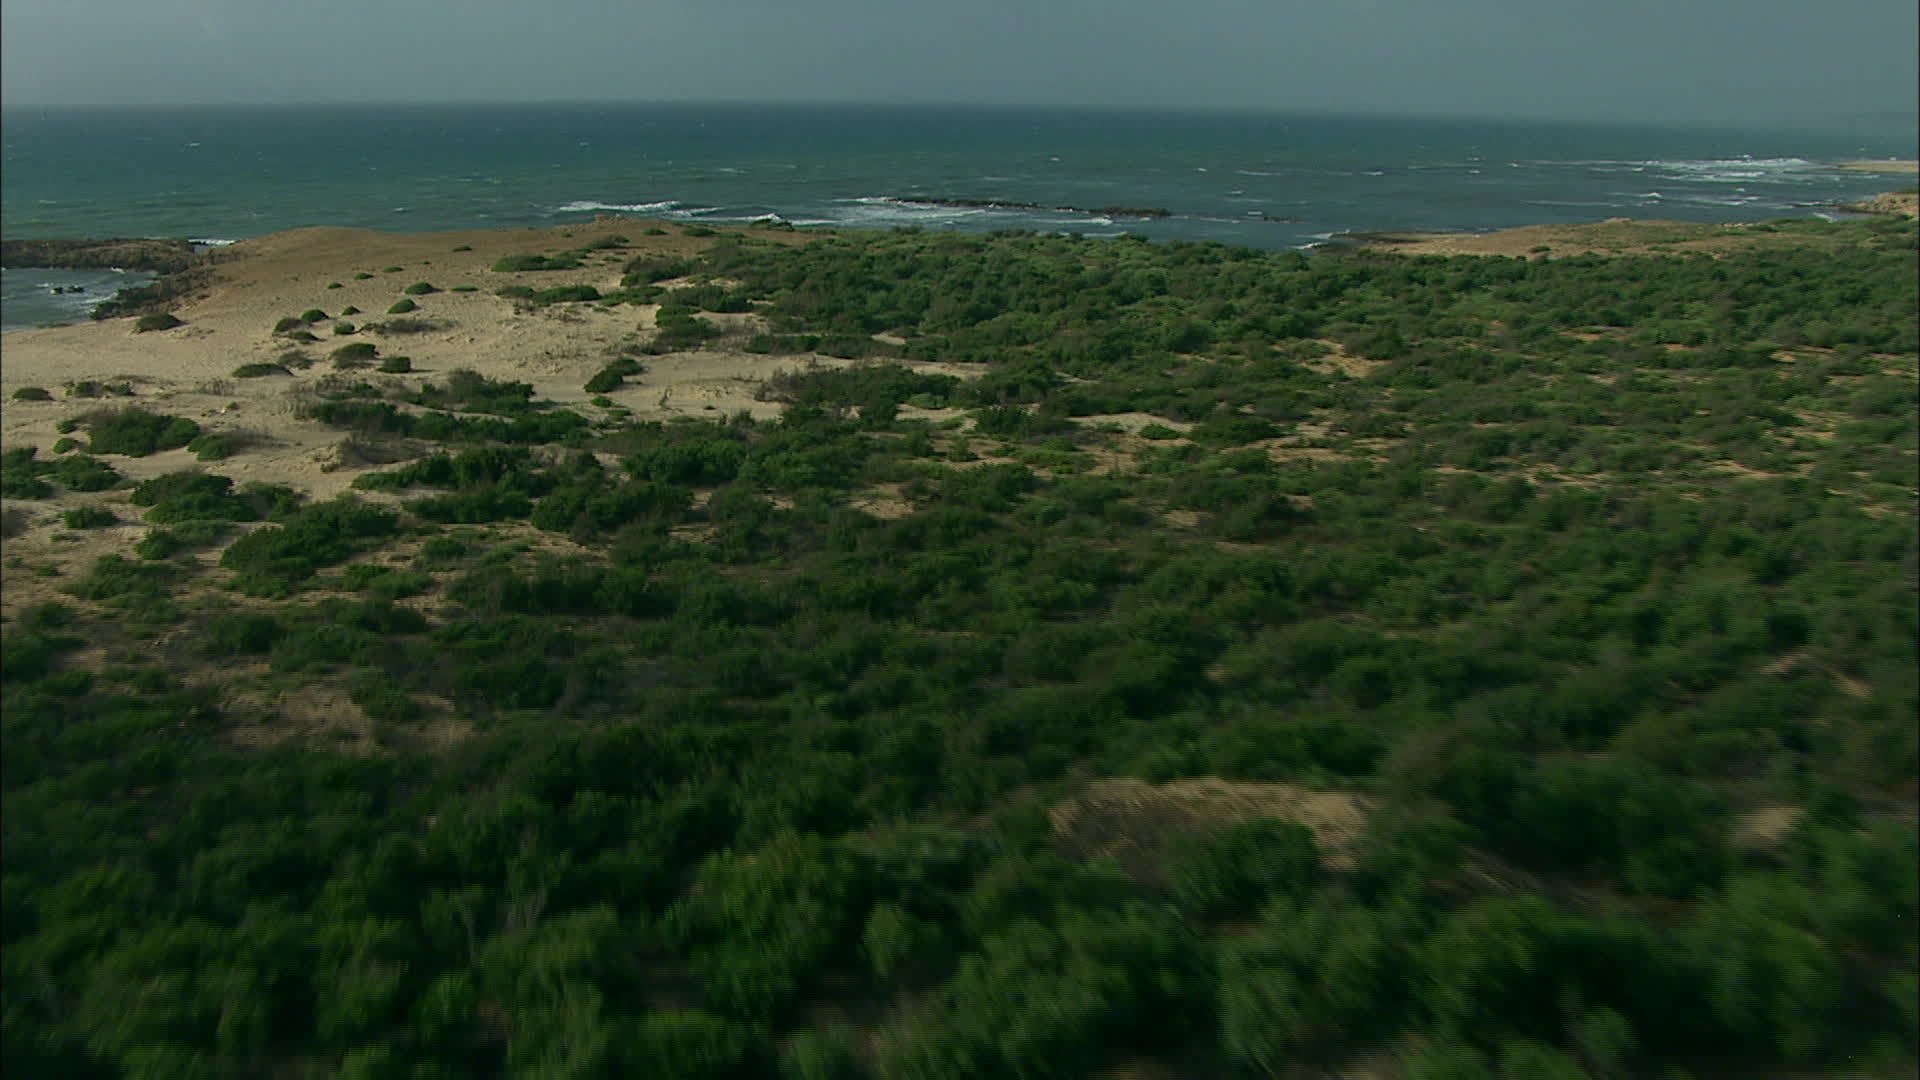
1766	62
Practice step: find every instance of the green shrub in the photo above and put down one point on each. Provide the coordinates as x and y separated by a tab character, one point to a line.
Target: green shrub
396	365
407	326
1233	871
381	700
305	337
402	306
649	269
698	230
288	324
566	294
1232	429
88	517
349	310
81	472
217	446
312	315
357	355
158	544
159	320
521	263
604	381
64	444
362	276
335	285
515	292
135	432
259	369
32	393
463	247
391	269
344	328
240	634
20	475
420	288
465	288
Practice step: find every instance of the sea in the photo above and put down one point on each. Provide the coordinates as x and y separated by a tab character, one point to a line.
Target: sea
1269	180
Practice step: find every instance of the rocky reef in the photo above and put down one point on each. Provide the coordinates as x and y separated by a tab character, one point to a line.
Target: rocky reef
156	256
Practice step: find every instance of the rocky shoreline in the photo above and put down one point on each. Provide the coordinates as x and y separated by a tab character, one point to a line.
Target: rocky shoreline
1002	204
155	256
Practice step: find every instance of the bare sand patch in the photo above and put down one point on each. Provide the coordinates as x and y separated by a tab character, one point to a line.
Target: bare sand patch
1767	827
1881	166
1614	236
1131	821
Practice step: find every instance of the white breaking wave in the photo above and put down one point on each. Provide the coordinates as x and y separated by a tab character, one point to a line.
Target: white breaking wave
588	205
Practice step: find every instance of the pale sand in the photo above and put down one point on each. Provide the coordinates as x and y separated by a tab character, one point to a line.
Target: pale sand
1881	166
187	371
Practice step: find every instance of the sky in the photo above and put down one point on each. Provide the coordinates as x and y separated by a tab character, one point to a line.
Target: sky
1841	65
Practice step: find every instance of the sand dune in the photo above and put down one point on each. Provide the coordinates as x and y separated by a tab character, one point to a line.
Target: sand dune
188	371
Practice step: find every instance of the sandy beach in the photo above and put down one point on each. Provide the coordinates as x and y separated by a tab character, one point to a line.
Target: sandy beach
189	370
1882	166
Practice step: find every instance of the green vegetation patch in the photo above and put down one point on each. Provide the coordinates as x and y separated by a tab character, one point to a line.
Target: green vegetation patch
1512	676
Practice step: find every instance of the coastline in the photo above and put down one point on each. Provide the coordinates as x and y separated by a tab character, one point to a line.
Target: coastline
1614	236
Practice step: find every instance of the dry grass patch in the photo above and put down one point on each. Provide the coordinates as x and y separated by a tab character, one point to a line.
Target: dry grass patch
884	501
1131	821
1766	828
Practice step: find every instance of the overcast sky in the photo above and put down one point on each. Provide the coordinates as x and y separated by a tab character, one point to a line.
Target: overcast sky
1765	62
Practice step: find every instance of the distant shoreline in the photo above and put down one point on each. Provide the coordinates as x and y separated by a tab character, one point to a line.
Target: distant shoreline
1888	166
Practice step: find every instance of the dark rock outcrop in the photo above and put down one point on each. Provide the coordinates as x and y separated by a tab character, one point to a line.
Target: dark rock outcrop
127	253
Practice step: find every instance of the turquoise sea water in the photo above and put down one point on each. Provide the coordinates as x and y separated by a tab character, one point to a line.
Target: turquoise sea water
227	173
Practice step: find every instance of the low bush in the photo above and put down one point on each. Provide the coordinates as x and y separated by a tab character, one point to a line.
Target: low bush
605	381
64	444
344	328
83	473
158	544
420	288
407	326
396	365
349	310
88	517
277	559
515	292
335	285
218	445
20	475
159	320
362	276
312	315
359	354
517	263
402	306
391	269
304	337
645	271
259	369
32	393
463	247
465	288
566	294
288	324
381	700
135	432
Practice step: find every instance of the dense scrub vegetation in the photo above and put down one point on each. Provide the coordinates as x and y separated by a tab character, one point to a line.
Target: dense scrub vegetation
681	759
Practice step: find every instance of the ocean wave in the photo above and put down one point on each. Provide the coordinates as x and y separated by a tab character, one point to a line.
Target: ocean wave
1736	170
582	206
209	242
